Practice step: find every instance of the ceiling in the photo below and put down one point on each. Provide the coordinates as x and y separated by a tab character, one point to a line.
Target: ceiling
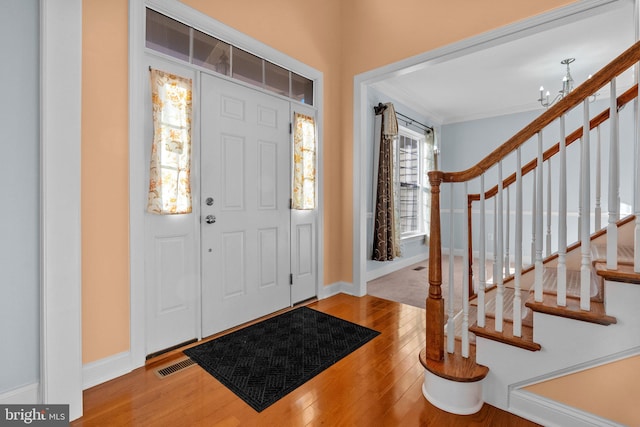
506	78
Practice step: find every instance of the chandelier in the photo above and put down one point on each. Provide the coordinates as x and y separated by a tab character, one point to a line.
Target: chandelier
567	86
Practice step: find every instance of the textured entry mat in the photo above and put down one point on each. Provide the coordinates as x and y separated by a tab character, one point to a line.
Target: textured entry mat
263	362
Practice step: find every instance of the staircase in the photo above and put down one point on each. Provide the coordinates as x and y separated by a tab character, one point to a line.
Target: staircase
567	310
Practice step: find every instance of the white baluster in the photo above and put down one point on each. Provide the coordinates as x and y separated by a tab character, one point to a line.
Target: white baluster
580	186
517	303
534	223
598	211
482	280
562	220
548	242
636	163
451	327
465	278
612	228
507	231
538	217
636	168
495	240
500	242
585	266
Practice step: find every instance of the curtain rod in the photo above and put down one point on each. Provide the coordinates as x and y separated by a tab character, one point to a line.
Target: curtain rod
408	120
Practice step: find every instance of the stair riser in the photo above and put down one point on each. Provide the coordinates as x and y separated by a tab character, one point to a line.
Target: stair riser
565	343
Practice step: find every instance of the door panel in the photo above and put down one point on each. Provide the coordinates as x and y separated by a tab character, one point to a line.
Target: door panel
245	170
304	264
171	254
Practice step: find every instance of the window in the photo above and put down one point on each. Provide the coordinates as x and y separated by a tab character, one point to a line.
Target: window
304	163
180	41
411	156
167	35
211	53
170	170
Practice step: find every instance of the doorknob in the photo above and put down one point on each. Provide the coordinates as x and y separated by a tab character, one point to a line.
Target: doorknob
210	219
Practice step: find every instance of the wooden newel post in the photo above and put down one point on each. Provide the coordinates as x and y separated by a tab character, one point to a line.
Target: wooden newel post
435	303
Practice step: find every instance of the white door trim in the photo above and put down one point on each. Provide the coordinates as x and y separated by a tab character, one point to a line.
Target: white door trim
137	185
60	241
362	82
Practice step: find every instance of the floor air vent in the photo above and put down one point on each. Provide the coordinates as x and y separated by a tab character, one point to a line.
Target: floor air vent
175	367
420	267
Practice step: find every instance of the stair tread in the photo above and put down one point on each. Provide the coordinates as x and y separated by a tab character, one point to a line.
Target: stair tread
473	315
454	367
550	283
624	273
508	298
572	310
506	336
599	253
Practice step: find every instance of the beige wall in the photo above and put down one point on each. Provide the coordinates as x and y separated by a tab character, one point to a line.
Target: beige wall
105	179
610	391
341	38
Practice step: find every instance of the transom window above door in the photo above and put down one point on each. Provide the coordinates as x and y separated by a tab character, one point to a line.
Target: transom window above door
173	38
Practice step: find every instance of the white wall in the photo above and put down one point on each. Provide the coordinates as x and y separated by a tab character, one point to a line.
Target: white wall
19	206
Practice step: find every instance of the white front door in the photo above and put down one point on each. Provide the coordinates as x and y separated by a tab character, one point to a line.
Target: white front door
171	253
245	218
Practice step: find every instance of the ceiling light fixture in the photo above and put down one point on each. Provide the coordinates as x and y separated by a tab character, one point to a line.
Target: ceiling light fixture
567	87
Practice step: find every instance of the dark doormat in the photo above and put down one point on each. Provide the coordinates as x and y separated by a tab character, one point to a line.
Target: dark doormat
265	361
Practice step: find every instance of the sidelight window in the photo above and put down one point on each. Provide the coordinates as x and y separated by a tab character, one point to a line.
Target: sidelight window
170	169
304	163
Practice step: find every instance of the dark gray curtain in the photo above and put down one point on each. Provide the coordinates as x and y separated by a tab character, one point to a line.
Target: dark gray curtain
386	244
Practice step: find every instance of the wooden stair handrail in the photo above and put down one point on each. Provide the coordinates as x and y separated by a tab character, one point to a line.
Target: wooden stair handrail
628	96
586	89
434	346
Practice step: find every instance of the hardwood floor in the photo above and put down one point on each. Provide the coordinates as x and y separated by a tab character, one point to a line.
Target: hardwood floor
378	384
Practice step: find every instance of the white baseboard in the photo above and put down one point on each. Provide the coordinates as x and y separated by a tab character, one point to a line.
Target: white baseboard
551	413
396	265
335	289
106	369
27	395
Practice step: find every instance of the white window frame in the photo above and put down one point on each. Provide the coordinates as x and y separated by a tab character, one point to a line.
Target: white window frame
421	214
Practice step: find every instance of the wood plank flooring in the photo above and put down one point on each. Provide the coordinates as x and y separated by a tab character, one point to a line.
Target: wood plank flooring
378	384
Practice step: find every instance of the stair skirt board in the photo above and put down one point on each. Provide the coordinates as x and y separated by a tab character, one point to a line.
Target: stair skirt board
551	413
460	398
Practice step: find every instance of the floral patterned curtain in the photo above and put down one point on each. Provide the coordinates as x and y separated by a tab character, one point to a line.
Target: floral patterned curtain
170	170
304	163
386	238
